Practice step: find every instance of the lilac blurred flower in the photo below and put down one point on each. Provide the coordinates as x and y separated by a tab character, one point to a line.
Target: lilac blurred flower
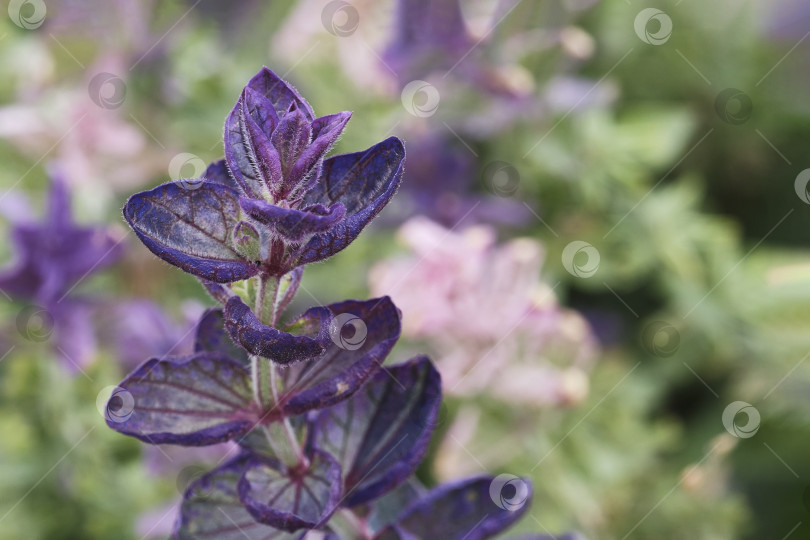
53	257
140	329
466	295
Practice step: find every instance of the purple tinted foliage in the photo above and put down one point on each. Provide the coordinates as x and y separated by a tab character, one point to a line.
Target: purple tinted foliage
52	258
323	427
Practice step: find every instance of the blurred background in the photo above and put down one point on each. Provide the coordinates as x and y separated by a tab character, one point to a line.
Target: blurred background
601	239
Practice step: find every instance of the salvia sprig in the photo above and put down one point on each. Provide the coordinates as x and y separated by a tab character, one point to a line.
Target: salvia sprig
329	440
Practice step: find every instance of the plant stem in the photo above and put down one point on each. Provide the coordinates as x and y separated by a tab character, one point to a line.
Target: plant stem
348	526
266	381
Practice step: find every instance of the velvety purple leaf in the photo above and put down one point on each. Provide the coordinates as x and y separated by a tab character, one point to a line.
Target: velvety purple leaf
211	509
363	182
279	93
240	151
292	135
263	154
212	337
260	109
381	434
292	499
349	360
281	347
293	225
325	132
191	229
462	510
198	400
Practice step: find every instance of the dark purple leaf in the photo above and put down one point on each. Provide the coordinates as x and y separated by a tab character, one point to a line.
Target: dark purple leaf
363	182
463	510
381	434
293	225
325	132
198	400
281	347
362	334
211	509
292	499
263	154
192	228
279	93
291	137
212	337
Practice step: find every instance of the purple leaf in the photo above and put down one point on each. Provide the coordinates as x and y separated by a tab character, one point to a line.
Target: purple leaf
281	347
192	228
362	334
293	225
212	337
198	400
239	153
464	510
325	132
381	434
291	137
292	499
279	93
211	509
363	182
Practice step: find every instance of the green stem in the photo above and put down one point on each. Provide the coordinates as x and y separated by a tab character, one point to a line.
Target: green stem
280	435
348	526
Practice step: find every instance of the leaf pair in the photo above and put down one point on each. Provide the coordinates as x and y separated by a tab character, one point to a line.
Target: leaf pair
207	398
359	449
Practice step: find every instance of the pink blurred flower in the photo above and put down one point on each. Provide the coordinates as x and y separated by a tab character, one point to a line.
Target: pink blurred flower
494	326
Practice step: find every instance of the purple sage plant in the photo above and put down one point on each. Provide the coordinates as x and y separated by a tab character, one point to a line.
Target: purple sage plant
328	439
